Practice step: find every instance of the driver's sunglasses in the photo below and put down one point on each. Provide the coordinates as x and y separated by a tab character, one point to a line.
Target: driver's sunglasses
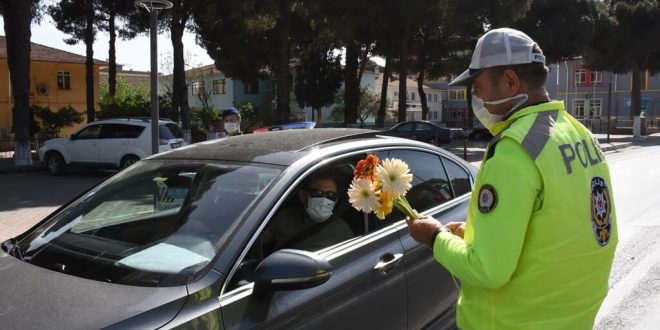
320	193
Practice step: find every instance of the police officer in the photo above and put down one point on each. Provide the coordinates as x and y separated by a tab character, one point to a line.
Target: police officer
538	243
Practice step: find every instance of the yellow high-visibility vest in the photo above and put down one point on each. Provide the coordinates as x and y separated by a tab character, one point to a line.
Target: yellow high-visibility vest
541	227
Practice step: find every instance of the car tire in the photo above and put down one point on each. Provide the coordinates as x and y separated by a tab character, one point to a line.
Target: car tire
55	163
128	160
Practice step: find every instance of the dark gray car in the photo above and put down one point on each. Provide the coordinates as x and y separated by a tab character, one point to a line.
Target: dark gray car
178	241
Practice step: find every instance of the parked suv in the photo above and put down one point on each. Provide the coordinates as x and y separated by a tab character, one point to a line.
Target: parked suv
113	143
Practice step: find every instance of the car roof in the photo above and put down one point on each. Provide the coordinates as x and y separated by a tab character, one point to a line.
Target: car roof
131	120
276	147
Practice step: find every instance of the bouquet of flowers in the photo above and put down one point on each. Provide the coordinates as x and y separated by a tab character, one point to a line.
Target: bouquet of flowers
379	187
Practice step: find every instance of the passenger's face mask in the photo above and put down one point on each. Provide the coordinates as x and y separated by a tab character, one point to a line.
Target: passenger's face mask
488	119
231	127
319	209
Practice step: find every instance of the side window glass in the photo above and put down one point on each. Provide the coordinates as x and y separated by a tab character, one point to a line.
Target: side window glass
91	132
459	178
110	131
430	185
133	132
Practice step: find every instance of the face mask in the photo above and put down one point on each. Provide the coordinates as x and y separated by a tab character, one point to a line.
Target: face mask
320	209
231	127
488	119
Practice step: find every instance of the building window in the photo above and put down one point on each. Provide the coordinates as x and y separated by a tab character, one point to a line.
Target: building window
218	86
412	96
595	107
396	94
251	88
580	77
428	97
435	97
587	78
457	94
578	108
198	87
64	80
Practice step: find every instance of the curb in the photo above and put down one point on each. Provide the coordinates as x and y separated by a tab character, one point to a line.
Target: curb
611	147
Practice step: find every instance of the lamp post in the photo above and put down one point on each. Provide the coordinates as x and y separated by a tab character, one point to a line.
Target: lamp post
153	7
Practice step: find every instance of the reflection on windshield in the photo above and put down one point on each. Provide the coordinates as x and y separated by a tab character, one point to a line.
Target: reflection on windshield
155	224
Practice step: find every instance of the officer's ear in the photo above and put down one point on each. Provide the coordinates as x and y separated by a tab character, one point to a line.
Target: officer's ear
512	82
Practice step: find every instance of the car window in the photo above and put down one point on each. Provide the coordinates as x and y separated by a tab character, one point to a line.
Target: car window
430	185
169	131
90	132
405	127
422	127
459	178
154	224
120	131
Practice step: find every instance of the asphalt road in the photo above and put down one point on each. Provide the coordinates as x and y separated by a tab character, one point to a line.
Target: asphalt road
633	301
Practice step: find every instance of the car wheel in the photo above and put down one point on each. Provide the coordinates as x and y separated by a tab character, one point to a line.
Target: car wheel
55	163
128	161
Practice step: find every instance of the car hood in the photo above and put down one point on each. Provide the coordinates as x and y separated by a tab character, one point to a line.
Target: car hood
38	298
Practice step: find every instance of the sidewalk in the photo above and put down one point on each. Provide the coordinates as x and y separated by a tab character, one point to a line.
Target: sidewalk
474	150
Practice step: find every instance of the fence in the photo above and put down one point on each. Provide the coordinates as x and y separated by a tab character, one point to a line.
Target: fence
8	157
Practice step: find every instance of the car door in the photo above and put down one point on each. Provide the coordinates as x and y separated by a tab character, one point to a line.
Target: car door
432	291
367	288
83	146
113	142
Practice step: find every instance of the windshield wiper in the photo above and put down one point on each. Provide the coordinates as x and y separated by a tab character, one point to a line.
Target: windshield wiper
12	247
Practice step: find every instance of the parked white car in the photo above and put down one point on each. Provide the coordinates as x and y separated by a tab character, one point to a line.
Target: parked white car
114	143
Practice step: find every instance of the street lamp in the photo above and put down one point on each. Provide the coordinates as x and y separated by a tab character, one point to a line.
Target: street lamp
153	7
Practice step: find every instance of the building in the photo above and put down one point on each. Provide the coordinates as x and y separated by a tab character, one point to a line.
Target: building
586	94
434	99
57	80
210	87
133	78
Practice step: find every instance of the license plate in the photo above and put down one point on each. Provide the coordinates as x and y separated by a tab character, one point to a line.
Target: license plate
176	145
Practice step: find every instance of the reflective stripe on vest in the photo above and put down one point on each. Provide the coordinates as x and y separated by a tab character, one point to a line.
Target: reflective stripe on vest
539	134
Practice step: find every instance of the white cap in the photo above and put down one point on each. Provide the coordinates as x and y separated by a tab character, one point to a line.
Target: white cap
499	47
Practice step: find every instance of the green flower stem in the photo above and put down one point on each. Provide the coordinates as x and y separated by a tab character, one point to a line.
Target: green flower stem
403	205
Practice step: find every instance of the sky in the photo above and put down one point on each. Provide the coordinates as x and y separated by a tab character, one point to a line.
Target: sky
133	54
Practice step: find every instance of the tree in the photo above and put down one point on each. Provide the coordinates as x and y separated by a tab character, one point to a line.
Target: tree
625	37
77	18
18	14
110	13
318	77
248	39
576	19
367	106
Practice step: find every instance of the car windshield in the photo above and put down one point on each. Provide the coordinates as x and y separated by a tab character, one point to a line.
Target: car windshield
155	224
169	131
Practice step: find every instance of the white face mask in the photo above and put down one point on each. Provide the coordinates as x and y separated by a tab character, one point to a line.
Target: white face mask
320	209
231	127
488	119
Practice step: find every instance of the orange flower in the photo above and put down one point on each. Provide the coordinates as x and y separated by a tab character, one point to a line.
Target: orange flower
366	168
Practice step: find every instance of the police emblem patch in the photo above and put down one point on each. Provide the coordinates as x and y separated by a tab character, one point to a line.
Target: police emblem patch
601	207
487	198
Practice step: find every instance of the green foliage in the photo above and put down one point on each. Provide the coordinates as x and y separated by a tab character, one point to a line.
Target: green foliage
133	100
318	77
52	122
203	118
250	115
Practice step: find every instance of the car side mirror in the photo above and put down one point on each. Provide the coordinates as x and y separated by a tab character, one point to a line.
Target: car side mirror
289	269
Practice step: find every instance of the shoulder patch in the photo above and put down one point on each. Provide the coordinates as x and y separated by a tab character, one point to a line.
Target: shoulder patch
600	210
487	198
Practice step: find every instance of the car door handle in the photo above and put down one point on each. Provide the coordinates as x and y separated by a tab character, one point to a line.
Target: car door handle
387	263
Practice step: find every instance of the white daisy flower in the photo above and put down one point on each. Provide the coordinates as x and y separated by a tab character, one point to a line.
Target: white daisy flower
362	195
395	176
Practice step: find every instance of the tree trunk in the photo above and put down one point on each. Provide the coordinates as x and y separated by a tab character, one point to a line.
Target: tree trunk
635	100
180	89
351	84
403	71
380	118
283	30
17	18
420	85
112	56
89	61
364	59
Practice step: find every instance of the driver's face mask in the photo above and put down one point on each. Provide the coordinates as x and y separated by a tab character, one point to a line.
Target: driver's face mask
320	209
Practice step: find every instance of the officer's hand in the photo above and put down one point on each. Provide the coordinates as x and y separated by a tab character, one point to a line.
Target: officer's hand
456	228
422	229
